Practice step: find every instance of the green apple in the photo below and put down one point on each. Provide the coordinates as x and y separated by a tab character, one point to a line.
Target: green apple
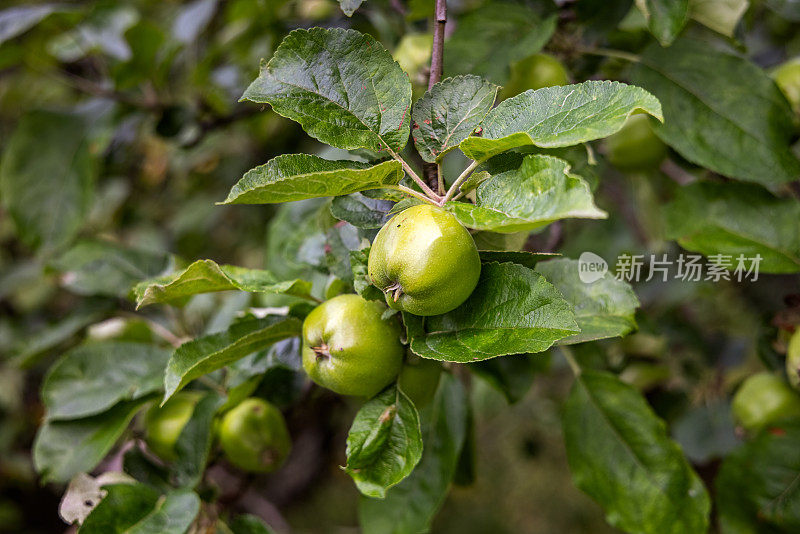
424	261
419	379
793	359
163	425
535	72
349	348
763	399
787	76
635	147
254	437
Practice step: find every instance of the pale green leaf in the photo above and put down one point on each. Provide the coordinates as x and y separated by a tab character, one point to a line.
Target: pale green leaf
740	130
384	444
293	177
92	378
559	116
205	276
17	20
361	211
619	453
342	86
603	308
541	190
513	310
720	15
665	18
349	6
449	112
205	354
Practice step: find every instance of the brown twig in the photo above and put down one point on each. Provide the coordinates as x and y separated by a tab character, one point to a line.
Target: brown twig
437	55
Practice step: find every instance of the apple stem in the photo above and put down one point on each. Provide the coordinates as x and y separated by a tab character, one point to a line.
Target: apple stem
322	351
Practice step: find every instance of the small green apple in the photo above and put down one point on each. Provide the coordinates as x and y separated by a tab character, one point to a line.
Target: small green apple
787	76
254	437
535	72
635	147
424	261
763	399
349	348
793	360
163	425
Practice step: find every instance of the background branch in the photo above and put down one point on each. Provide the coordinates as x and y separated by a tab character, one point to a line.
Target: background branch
437	54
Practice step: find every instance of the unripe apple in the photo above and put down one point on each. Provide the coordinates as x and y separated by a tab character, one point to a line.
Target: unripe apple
535	72
424	261
349	348
763	399
787	76
163	425
793	360
635	147
254	437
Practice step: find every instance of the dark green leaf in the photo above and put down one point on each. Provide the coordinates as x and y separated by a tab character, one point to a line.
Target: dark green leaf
711	118
46	178
205	276
541	190
359	260
526	259
603	308
384	444
293	177
90	379
342	86
52	336
209	353
488	39
249	524
449	112
513	310
194	443
619	453
361	211
65	448
737	219
410	506
512	375
665	18
138	509
706	432
559	116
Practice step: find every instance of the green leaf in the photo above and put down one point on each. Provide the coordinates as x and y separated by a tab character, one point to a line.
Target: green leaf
384	444
603	308
714	120
293	177
65	448
249	524
559	116
52	336
449	112
737	219
512	375
513	310
342	86
541	190
361	211
359	260
665	18
17	20
194	442
410	506
488	39
524	258
205	276
209	353
349	6
138	509
757	486
720	15
105	268
619	453
46	178
90	379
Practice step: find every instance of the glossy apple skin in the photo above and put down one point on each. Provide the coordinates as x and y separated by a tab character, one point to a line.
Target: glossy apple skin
254	437
764	399
635	147
357	353
419	379
424	261
793	360
163	425
535	72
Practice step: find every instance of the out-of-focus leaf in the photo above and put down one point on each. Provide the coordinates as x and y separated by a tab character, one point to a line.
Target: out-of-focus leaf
293	177
205	354
449	112
603	308
342	86
52	336
706	432
206	276
361	211
384	444
90	379
349	6
513	310
17	20
527	259
665	18
619	453
711	118
737	219
139	509
511	375
249	524
410	506
359	263
541	190
65	448
488	39
84	492
46	178
720	15
194	443
192	20
559	116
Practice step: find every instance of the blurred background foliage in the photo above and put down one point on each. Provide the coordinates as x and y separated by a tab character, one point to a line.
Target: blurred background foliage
145	94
